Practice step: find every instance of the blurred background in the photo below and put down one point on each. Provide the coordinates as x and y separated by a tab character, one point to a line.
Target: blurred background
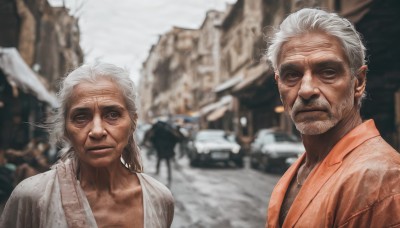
199	67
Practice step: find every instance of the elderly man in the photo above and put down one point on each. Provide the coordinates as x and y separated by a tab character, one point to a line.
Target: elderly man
348	176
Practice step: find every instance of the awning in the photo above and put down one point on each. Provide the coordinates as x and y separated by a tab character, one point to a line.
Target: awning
18	73
225	100
228	83
216	114
255	75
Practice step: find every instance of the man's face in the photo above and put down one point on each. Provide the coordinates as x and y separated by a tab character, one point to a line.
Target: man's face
315	83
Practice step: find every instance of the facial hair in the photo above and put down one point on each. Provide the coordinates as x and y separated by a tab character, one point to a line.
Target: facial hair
318	125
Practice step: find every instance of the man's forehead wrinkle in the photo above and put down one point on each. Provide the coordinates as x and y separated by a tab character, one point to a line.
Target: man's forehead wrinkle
313	54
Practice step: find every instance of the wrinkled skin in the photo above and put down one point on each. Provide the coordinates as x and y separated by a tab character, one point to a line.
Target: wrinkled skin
320	95
99	127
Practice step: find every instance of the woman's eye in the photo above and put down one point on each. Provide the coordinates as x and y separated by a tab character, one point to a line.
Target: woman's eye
81	118
113	115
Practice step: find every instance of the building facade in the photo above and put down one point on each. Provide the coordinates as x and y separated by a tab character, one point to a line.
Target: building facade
38	45
238	93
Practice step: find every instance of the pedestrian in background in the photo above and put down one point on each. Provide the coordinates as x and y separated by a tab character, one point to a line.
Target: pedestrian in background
164	137
348	176
98	181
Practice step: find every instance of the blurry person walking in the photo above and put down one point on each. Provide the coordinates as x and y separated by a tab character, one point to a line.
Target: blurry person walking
164	137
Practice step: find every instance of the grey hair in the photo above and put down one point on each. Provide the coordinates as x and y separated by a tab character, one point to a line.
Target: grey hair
315	20
91	73
310	20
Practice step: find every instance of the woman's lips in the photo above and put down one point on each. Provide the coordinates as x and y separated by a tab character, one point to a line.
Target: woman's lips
99	149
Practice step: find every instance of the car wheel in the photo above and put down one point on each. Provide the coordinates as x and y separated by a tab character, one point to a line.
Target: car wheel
194	163
253	163
239	163
266	164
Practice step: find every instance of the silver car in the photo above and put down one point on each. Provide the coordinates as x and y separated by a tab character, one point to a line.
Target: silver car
274	149
211	145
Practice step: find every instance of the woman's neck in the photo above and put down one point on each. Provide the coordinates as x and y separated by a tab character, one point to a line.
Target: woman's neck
110	178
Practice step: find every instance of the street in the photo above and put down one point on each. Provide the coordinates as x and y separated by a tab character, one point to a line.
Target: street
216	196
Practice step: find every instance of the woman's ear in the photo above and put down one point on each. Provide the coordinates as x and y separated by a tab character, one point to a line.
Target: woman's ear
360	82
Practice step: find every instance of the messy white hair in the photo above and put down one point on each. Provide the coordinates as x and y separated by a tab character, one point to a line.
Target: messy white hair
92	73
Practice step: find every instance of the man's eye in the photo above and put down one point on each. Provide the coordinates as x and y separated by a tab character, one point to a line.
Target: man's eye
327	73
113	115
290	77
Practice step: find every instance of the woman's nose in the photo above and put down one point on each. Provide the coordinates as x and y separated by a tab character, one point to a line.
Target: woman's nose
98	129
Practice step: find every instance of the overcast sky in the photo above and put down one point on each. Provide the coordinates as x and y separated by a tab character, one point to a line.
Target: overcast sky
122	31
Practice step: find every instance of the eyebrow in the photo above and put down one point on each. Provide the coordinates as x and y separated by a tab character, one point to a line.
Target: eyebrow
104	107
329	63
287	66
322	64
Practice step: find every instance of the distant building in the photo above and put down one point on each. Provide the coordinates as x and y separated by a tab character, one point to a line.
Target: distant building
38	45
238	93
46	37
165	87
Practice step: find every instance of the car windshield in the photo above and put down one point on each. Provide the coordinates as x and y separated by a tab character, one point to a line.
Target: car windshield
276	137
210	136
281	137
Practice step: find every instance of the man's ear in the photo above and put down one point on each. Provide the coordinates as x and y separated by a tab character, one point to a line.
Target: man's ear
360	82
276	76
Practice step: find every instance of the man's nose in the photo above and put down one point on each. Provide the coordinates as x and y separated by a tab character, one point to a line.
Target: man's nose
98	130
309	87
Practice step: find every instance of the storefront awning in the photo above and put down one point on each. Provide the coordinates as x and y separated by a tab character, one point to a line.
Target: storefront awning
255	75
225	100
18	73
228	83
217	114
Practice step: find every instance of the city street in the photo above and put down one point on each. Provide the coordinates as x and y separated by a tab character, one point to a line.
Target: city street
216	196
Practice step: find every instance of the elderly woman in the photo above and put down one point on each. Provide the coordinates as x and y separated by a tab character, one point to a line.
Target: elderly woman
98	180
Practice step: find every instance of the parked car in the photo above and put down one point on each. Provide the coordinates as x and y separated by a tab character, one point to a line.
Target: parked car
211	146
274	149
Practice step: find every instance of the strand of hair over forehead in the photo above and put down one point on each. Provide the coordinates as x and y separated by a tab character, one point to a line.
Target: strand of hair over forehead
115	74
308	20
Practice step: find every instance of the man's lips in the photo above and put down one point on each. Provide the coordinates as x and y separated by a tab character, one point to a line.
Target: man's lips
310	110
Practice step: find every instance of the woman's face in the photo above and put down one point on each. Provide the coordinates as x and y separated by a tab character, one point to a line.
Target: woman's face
98	123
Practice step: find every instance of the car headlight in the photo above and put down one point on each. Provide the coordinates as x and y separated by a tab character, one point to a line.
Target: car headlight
202	149
236	149
271	152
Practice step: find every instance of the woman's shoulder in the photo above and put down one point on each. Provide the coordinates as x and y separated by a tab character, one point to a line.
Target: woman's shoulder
151	182
156	196
154	187
35	186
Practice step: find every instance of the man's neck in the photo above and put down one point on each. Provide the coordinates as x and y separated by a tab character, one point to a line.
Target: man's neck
318	146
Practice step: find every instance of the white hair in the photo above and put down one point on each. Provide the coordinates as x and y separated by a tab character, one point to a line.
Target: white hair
92	73
310	20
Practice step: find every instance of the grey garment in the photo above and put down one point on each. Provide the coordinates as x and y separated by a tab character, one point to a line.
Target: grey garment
37	202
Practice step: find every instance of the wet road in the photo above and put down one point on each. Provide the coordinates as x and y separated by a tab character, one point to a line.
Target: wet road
216	196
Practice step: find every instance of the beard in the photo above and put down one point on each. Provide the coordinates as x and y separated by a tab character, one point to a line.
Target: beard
320	122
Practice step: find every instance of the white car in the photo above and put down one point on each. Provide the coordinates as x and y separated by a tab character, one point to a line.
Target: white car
212	145
274	149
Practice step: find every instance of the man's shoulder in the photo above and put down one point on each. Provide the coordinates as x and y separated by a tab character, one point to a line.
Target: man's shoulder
377	151
374	164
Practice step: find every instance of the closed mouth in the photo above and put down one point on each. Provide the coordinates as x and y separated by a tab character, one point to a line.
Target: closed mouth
310	110
99	148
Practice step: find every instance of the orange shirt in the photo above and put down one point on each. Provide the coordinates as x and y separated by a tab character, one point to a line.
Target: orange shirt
356	185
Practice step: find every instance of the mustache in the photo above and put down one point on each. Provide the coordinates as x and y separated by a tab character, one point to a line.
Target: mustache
301	105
